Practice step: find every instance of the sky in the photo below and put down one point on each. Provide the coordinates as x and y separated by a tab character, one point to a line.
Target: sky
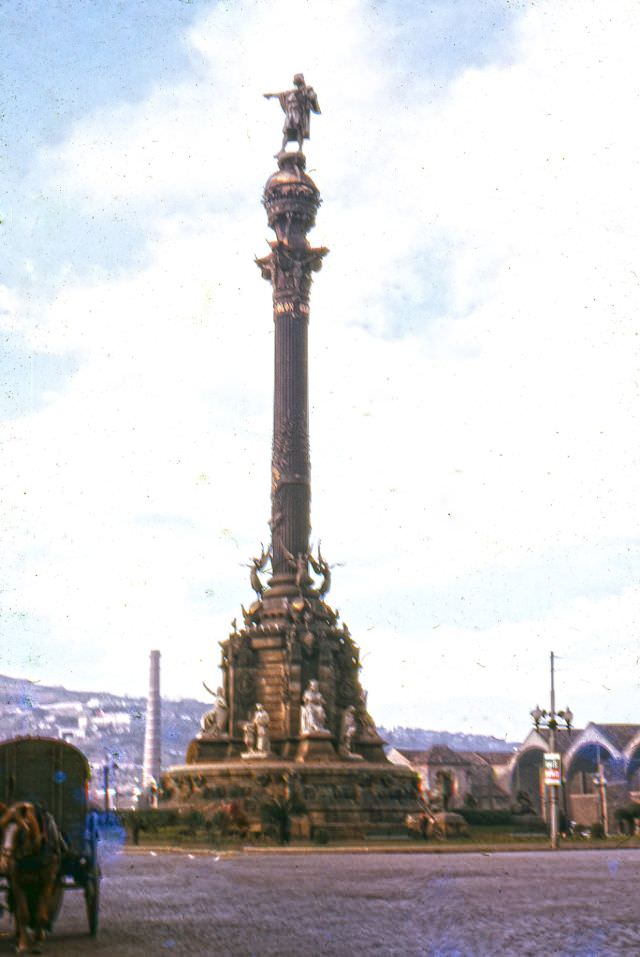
474	342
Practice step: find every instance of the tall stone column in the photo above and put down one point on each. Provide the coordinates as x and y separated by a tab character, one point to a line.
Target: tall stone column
152	732
291	659
291	199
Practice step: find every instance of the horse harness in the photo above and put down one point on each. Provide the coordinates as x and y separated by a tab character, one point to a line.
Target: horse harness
48	839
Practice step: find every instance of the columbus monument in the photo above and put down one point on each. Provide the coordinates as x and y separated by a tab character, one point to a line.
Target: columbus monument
290	720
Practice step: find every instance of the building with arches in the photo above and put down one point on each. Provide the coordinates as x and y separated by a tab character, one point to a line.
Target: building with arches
600	771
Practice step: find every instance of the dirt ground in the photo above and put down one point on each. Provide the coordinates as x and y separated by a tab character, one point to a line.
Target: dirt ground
567	904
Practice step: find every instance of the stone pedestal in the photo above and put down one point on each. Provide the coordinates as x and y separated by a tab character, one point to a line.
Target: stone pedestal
316	746
349	800
207	750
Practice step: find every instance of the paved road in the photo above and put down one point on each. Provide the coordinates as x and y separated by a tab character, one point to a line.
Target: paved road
569	904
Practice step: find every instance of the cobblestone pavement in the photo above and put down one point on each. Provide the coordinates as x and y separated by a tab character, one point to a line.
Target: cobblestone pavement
568	904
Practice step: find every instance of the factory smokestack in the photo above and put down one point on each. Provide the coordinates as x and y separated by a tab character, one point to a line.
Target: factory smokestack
152	736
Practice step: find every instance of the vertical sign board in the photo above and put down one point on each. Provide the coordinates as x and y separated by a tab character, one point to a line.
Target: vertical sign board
552	773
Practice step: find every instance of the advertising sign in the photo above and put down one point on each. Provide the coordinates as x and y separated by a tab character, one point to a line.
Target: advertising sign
552	773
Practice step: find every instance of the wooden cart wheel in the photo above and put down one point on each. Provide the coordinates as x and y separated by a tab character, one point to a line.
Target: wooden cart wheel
91	882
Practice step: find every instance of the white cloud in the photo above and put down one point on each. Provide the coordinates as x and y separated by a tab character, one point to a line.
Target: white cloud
494	676
9	308
501	428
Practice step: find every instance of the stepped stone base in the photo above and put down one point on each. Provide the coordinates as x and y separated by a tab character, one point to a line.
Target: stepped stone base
346	799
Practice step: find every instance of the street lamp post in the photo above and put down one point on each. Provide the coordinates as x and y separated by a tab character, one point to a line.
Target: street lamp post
108	769
549	719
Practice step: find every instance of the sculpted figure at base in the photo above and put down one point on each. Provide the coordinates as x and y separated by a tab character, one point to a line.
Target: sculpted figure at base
215	722
249	735
348	728
367	723
312	714
148	797
297	105
261	724
256	733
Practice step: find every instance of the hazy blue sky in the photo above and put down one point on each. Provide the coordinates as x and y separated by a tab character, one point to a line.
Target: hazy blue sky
475	342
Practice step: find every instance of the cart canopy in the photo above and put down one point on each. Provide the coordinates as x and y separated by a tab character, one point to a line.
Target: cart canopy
49	772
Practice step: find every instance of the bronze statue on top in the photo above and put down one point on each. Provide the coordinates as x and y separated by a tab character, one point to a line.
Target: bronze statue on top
297	105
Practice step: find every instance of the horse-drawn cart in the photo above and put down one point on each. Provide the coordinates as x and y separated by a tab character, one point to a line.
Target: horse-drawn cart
53	776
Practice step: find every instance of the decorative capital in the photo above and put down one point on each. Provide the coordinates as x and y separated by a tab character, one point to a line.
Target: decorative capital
289	271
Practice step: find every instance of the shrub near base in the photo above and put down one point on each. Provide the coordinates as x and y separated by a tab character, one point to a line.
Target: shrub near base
503	819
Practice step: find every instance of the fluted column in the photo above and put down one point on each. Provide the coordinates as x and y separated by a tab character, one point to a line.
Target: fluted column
291	199
290	465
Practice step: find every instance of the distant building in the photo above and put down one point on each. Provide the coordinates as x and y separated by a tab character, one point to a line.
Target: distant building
63	719
460	778
600	773
119	721
69	728
64	707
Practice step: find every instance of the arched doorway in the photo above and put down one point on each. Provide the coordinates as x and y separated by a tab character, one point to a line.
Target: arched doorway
527	780
445	788
593	768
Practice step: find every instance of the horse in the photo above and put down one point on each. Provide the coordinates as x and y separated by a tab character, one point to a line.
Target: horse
30	859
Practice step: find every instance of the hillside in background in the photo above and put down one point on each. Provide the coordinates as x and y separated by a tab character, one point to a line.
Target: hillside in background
109	728
419	739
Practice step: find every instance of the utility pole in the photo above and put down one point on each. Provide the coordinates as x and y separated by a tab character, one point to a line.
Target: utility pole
108	766
553	797
553	771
